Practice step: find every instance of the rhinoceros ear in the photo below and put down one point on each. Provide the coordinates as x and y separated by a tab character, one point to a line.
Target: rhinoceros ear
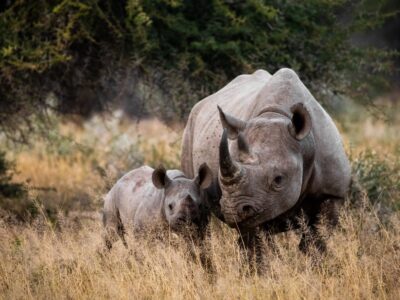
160	178
205	176
230	123
301	121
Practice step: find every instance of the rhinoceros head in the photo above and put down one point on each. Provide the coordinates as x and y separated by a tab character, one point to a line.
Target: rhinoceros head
261	173
184	199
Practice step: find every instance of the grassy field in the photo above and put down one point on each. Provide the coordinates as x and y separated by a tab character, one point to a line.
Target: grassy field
60	253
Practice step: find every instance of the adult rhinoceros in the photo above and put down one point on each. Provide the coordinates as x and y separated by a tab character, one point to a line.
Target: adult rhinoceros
284	157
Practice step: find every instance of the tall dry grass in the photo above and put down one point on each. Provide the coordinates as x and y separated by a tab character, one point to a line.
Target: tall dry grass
363	262
43	261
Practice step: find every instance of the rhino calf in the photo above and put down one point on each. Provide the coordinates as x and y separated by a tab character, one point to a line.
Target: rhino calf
146	199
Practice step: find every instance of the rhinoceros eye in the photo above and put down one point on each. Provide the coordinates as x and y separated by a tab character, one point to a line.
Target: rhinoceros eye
278	181
171	206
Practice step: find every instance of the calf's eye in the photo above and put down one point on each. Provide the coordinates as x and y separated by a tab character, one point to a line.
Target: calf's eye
278	179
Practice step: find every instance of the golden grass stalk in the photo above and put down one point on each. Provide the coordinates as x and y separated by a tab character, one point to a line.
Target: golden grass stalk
363	262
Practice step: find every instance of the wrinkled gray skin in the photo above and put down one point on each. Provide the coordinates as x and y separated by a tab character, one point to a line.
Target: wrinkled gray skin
146	199
284	157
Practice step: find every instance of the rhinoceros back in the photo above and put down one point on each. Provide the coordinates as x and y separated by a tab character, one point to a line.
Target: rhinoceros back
203	130
135	198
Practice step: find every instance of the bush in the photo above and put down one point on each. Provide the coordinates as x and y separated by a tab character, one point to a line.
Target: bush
163	56
380	178
13	196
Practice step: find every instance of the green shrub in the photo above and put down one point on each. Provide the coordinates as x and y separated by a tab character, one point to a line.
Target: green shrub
380	178
7	188
163	56
13	196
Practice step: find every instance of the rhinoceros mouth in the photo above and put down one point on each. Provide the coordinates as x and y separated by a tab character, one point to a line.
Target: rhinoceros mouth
249	223
234	221
184	227
260	217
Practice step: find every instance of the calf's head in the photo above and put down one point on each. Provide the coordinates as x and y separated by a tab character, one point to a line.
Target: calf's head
184	199
261	174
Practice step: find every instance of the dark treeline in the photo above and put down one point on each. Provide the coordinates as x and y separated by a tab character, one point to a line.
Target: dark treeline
161	56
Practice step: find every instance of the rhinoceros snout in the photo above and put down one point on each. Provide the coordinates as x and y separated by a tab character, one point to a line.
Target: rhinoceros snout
182	219
246	211
235	216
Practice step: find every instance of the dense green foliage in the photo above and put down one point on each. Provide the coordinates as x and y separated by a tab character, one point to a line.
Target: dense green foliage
164	55
380	179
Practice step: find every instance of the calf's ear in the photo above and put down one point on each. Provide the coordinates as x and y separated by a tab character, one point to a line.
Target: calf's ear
160	178
204	177
301	123
231	124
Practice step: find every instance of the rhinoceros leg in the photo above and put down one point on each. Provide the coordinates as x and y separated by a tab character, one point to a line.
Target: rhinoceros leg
251	243
311	238
113	229
206	254
327	215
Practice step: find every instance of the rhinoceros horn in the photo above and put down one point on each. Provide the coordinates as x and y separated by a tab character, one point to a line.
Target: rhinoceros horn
232	124
243	146
228	167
